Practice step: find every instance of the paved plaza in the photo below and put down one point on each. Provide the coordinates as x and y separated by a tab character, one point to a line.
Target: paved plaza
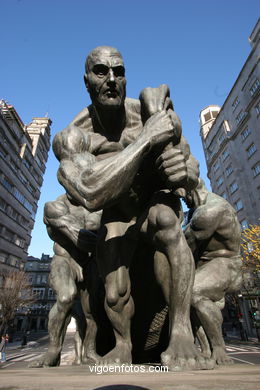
235	377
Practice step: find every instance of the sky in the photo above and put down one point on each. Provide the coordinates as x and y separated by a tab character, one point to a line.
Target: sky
196	47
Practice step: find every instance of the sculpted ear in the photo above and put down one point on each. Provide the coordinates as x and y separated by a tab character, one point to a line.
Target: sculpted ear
86	81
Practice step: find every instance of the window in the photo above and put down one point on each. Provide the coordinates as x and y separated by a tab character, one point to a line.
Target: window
2	152
216	166
8	234
229	170
24	222
19	241
27	163
233	187
251	150
207	116
244	224
30	188
14	261
38	279
30	279
238	205
214	114
51	294
3	205
235	103
224	195
240	117
256	169
44	278
225	154
3	257
14	214
254	87
245	133
39	292
22	177
219	181
18	195
221	138
7	184
257	107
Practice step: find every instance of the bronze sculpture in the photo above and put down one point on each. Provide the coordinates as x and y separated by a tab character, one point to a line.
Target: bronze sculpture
128	158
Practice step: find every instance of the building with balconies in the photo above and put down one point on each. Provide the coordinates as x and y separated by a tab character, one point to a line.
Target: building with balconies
35	317
23	156
231	140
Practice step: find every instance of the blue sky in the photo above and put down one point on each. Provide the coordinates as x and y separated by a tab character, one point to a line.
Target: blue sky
196	47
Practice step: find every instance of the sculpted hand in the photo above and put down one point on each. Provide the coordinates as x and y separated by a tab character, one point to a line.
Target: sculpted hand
159	129
154	100
172	167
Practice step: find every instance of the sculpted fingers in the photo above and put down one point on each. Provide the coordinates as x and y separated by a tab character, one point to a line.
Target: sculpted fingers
170	153
154	99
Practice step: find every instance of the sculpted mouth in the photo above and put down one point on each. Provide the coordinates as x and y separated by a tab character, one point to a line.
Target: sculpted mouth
111	94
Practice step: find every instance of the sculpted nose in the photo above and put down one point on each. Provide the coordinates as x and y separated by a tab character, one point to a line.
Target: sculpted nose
111	76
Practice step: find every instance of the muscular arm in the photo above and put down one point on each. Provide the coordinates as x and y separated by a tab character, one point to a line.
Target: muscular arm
96	183
205	221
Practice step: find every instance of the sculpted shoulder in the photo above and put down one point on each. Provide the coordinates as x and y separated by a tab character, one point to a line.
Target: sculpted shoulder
74	138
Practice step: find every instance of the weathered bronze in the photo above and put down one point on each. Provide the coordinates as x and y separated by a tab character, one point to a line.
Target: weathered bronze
128	159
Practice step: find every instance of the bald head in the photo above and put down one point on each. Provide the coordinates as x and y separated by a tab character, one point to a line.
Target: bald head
101	52
105	77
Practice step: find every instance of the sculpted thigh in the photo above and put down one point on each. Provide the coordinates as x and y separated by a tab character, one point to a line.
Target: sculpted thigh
212	279
61	278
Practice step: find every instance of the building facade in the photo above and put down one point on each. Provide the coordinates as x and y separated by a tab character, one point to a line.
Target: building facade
35	317
23	156
231	140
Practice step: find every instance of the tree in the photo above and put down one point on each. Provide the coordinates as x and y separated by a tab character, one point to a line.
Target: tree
250	247
15	293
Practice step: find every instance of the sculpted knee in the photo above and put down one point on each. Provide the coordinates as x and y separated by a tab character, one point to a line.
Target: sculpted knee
55	209
116	298
67	295
112	296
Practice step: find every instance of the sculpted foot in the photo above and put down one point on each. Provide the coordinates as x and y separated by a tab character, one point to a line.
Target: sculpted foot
50	359
220	356
76	361
91	357
119	355
182	354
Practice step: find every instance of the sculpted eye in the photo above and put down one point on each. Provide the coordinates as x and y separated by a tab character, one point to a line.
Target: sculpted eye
119	71
100	70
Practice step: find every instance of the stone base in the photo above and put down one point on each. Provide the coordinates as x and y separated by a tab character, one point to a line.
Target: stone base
236	377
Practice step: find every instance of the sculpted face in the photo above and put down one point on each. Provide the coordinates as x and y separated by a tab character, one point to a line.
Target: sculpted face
105	77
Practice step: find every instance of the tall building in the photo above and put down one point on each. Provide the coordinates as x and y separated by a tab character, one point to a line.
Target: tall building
231	140
23	155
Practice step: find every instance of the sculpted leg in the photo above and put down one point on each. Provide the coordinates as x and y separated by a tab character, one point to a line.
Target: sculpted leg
170	241
89	355
119	307
208	293
113	259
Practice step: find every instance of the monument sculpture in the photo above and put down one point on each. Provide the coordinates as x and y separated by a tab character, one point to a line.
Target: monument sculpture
213	235
124	165
72	228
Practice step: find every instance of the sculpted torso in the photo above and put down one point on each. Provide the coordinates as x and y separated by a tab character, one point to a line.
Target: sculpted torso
214	230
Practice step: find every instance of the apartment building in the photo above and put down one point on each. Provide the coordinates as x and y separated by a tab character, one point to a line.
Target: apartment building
23	156
231	140
35	317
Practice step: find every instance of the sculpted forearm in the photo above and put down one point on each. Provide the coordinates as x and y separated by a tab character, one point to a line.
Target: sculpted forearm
192	172
100	183
108	179
95	184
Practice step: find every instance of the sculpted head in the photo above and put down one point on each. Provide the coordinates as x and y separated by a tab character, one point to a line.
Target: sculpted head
105	77
198	196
